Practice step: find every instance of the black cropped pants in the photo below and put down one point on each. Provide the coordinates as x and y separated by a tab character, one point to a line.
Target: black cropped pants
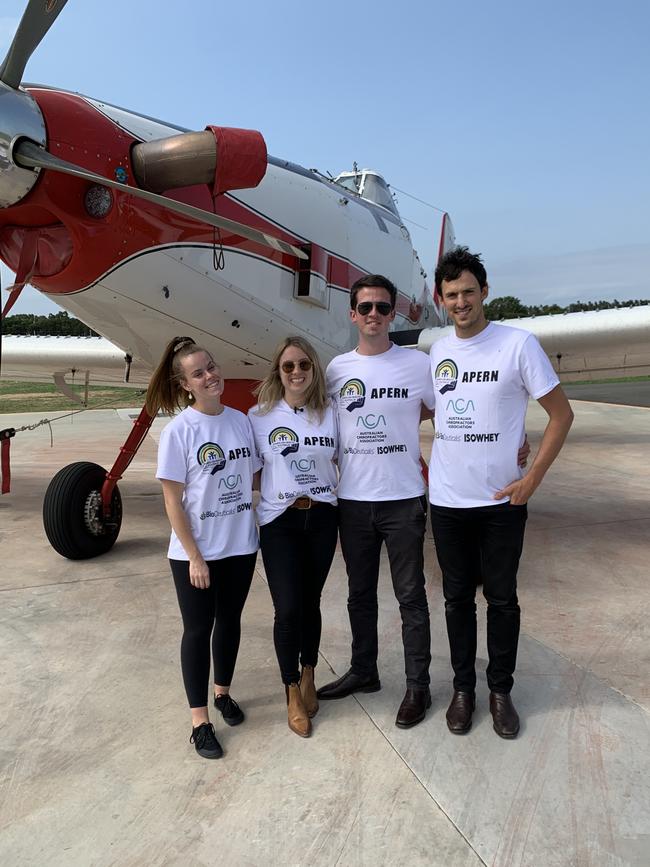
211	616
297	549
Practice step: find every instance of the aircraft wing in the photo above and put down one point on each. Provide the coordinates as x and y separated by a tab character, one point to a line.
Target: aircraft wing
42	359
589	345
586	345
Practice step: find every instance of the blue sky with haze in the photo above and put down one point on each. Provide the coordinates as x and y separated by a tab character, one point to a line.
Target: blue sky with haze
527	122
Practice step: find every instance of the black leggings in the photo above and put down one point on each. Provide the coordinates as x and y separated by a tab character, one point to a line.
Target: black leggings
214	612
297	549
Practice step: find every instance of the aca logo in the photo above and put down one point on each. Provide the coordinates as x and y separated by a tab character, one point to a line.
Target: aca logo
303	465
446	376
283	441
211	458
230	481
461	406
352	394
371	421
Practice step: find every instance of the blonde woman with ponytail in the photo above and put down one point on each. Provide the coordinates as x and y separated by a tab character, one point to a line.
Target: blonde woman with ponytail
206	462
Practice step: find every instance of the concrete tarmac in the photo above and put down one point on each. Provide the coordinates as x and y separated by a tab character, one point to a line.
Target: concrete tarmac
623	393
95	764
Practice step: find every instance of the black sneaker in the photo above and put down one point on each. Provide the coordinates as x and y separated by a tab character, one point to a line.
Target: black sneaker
205	741
230	711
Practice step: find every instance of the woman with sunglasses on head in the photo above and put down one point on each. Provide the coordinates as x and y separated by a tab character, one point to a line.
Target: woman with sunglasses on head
296	435
206	463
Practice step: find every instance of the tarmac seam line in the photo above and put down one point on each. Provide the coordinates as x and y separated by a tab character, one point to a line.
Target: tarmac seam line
408	767
587	524
75	581
586	670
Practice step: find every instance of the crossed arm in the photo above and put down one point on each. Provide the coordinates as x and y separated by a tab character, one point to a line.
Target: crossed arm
560	420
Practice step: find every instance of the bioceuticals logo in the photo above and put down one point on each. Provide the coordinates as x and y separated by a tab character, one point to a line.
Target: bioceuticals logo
283	440
461	406
211	458
446	376
371	421
352	394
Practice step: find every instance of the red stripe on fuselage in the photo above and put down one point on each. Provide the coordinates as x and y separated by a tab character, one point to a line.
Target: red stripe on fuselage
101	146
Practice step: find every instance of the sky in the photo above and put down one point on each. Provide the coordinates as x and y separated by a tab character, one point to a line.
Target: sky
527	122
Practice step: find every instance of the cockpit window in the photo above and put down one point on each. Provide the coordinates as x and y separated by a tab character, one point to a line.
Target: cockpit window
369	186
376	190
351	182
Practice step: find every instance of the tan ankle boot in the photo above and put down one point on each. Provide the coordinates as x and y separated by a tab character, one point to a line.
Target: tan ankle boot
298	720
308	690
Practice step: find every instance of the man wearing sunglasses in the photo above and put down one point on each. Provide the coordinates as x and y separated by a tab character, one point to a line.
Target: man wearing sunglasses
379	389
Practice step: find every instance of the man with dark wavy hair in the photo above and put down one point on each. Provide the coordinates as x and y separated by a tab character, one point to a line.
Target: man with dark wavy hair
483	376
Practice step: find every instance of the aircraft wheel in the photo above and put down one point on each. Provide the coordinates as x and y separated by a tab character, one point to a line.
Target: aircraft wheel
72	512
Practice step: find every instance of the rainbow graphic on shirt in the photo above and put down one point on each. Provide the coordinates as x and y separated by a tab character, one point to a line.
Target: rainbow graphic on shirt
352	394
283	440
211	458
446	376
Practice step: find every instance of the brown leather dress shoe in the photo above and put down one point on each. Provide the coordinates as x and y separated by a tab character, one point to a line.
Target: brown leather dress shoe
504	715
297	717
413	708
308	690
459	712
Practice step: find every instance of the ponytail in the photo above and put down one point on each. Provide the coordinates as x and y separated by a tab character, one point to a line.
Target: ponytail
165	391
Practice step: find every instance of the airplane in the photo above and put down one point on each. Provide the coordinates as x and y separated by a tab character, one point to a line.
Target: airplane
145	230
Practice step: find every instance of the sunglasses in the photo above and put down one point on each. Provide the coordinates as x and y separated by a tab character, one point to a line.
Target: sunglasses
304	364
382	307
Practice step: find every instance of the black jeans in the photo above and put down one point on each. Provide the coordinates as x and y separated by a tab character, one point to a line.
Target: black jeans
364	526
214	612
481	543
297	549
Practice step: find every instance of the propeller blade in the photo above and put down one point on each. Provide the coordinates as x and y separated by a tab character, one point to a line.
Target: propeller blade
29	155
37	19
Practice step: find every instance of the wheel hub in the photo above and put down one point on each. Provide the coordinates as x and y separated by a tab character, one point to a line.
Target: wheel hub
93	513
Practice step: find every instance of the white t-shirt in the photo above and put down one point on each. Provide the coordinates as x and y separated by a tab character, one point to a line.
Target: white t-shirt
378	398
298	453
482	386
214	457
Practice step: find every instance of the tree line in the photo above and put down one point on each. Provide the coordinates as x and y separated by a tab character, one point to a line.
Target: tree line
53	325
510	307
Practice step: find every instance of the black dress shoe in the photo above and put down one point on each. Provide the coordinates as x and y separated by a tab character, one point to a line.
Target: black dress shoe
413	708
504	715
349	683
459	712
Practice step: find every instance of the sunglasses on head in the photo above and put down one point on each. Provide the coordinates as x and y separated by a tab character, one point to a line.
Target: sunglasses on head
382	307
304	364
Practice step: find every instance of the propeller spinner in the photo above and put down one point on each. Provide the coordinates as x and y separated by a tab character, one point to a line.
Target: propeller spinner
20	114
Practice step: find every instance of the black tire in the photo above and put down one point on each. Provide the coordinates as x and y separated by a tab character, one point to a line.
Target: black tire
72	514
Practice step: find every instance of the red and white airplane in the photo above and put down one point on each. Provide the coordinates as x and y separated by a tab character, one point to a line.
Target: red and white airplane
145	230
